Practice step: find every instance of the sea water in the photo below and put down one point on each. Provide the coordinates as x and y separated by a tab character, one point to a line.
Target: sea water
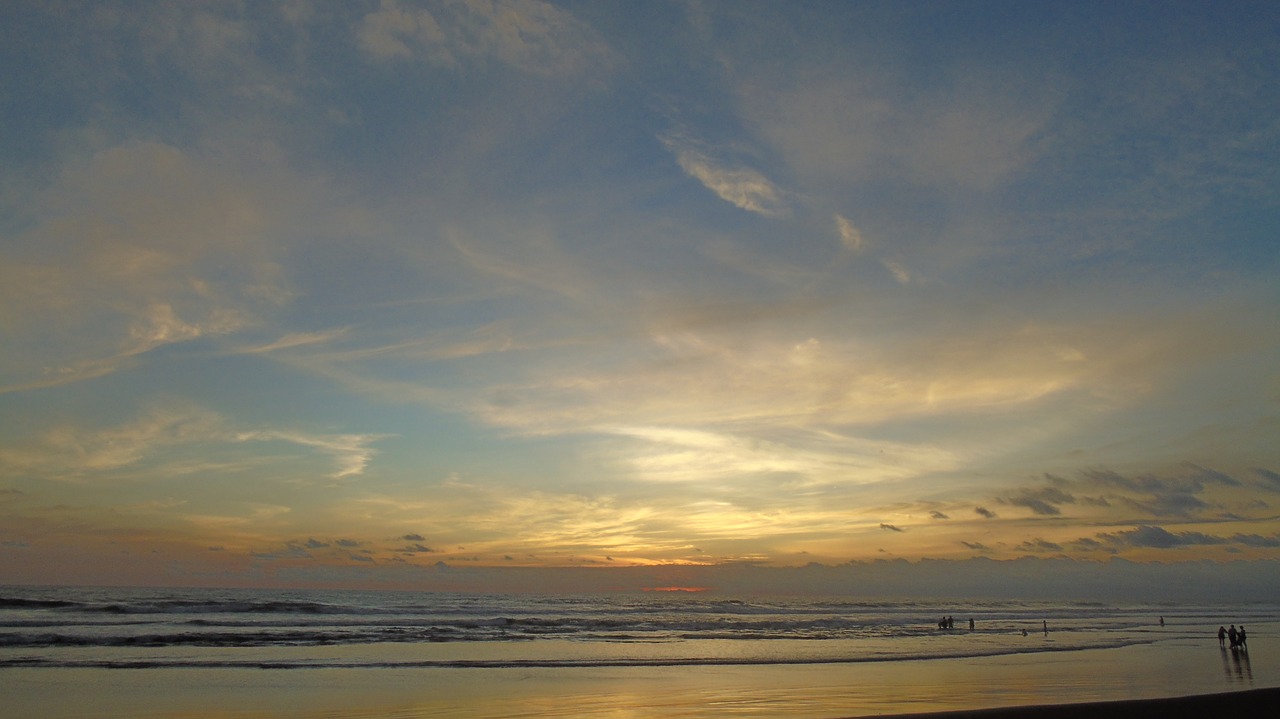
137	628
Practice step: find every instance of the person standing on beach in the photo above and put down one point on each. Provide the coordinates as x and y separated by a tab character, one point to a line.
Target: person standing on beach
1222	636
1046	627
1231	634
971	624
1240	638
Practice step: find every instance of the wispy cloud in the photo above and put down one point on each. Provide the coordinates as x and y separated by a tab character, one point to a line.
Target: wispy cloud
671	454
527	35
850	236
73	450
898	270
740	186
108	273
971	133
351	453
293	340
80	452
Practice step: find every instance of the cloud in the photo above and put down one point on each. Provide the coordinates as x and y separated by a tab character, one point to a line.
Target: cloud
984	512
1044	501
691	375
1152	537
938	515
289	551
1256	540
1039	545
1158	538
966	131
413	538
1170	504
1269	477
1087	544
138	246
350	452
526	35
293	340
77	450
898	270
676	454
166	429
891	527
1175	495
850	236
742	187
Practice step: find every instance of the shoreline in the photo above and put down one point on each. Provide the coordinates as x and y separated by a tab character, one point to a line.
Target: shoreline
1253	702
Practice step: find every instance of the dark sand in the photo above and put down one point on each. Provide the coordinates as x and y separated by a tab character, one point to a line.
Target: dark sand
1249	703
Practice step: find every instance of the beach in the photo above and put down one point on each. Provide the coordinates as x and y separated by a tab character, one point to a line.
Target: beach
124	653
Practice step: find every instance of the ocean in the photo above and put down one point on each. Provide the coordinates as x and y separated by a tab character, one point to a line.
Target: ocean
446	647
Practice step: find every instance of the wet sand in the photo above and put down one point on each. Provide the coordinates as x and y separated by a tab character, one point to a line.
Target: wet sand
1130	682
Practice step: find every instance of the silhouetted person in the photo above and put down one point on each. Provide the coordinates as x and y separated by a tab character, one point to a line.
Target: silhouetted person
1233	636
1222	636
1046	627
1162	621
971	624
1240	638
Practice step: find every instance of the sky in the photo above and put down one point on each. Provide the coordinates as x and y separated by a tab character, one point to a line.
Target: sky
396	294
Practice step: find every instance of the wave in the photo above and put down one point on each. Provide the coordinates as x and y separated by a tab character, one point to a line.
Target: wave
24	603
189	606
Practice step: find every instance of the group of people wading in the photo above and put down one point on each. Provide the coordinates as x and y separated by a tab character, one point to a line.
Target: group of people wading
1237	637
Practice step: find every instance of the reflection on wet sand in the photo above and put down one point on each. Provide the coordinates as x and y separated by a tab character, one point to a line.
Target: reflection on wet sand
1235	665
